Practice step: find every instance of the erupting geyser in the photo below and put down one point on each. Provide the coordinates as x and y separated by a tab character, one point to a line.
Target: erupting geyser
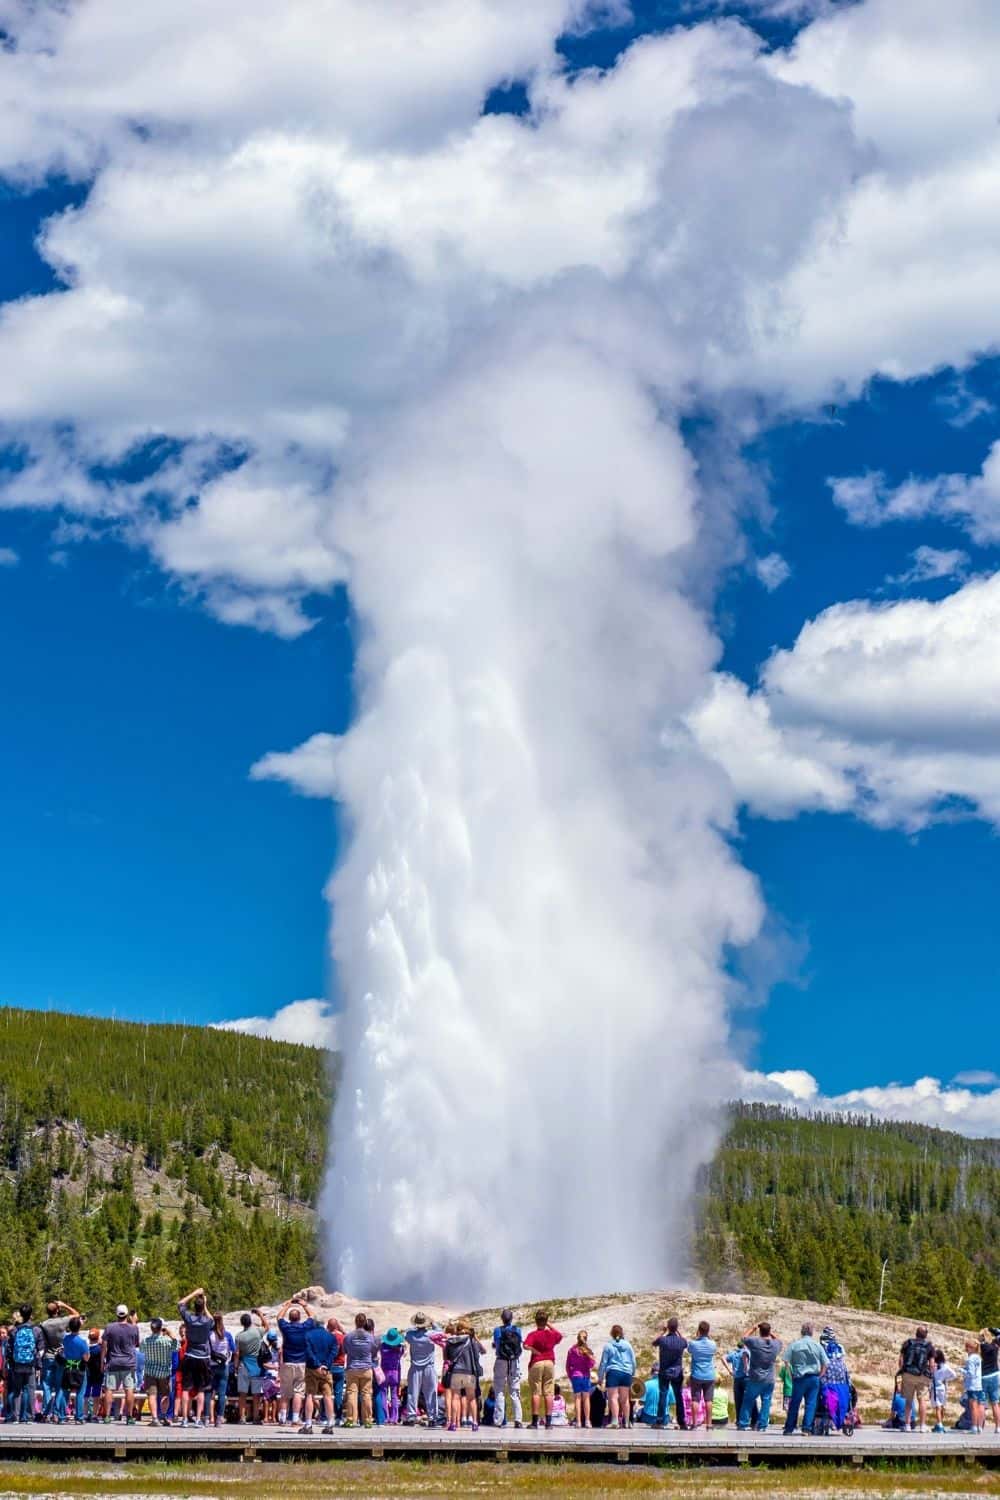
531	912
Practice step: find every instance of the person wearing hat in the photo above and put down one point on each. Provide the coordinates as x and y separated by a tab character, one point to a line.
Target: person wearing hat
391	1361
119	1345
421	1379
835	1386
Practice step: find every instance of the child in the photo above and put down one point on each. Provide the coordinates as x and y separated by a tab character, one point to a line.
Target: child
720	1406
391	1362
559	1418
941	1374
580	1363
95	1375
972	1377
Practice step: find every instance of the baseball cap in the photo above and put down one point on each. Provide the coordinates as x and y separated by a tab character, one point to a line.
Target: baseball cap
122	1310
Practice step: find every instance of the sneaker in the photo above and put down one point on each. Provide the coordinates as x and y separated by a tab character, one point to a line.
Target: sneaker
369	1424
452	1427
130	1422
306	1429
518	1426
937	1427
923	1427
153	1422
474	1426
349	1423
327	1429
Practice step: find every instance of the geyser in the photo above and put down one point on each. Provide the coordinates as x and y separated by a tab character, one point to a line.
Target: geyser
530	915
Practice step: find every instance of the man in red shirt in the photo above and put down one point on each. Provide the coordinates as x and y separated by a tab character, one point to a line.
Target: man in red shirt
542	1342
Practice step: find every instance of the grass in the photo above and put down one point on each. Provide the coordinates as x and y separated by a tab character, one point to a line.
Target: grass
305	1480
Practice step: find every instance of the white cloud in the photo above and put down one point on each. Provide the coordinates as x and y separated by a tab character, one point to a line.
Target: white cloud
971	500
310	769
312	1023
8	557
890	711
969	1110
931	564
772	571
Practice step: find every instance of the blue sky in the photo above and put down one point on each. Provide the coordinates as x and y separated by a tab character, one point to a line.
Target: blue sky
146	875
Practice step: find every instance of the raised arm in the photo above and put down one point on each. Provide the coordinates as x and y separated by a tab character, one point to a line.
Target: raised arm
199	1291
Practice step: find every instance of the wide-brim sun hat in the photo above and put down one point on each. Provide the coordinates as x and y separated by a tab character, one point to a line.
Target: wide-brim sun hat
420	1320
393	1338
638	1389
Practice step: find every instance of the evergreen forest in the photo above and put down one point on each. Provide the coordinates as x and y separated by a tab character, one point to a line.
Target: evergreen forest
137	1162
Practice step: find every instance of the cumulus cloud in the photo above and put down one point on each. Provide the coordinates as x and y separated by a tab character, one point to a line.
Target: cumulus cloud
310	769
973	1109
444	359
311	1023
970	500
8	557
889	711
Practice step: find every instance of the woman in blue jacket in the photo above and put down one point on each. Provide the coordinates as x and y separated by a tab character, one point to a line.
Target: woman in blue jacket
617	1370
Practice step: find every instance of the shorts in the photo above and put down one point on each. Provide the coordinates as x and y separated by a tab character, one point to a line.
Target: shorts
247	1384
914	1385
463	1384
157	1391
93	1391
582	1384
979	1396
119	1380
705	1388
196	1375
319	1383
293	1381
542	1378
991	1386
616	1380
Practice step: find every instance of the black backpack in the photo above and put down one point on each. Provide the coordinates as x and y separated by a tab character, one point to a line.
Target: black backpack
510	1343
916	1356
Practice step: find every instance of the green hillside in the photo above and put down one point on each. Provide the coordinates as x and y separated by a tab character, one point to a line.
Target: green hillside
137	1161
811	1207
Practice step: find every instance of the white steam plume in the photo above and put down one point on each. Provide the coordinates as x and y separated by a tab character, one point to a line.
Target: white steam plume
529	922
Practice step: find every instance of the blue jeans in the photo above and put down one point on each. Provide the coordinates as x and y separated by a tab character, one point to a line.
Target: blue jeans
670	1383
804	1388
52	1374
218	1387
338	1375
756	1390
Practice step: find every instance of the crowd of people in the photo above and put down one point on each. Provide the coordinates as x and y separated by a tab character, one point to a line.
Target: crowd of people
301	1370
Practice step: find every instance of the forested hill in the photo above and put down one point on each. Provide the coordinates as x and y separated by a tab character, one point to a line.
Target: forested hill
138	1161
812	1206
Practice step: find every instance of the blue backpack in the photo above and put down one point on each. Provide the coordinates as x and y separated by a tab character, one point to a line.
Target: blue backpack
23	1344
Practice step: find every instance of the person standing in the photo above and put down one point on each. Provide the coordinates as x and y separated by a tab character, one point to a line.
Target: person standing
196	1365
361	1349
508	1343
421	1379
762	1355
580	1364
391	1361
972	1380
461	1354
53	1327
914	1372
617	1370
737	1361
807	1360
942	1375
989	1352
671	1346
74	1373
249	1371
26	1349
322	1348
119	1343
702	1352
157	1350
221	1347
542	1341
293	1329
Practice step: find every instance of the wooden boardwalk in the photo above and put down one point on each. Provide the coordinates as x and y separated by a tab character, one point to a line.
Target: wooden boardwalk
636	1445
